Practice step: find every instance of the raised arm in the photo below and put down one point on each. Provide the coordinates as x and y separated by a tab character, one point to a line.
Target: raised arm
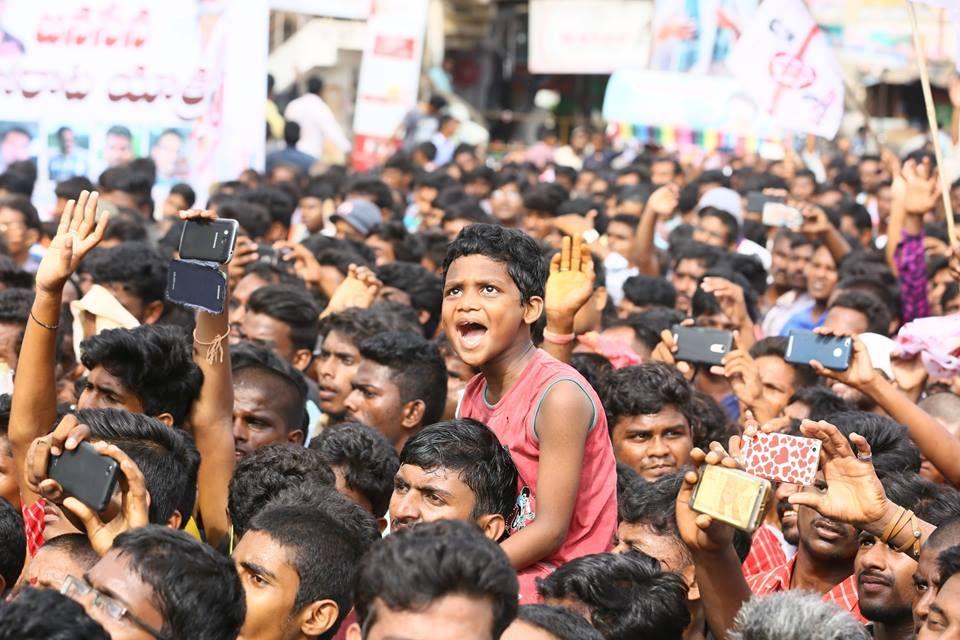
933	440
816	224
662	203
211	416
34	408
723	588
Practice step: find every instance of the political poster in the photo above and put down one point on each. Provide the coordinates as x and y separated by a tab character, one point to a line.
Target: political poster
389	77
784	62
89	85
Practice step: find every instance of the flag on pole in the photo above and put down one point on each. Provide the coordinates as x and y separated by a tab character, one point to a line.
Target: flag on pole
784	62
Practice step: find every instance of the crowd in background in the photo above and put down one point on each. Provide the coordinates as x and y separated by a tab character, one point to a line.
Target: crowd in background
446	400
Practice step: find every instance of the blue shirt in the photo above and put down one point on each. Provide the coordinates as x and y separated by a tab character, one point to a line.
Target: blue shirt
802	319
290	155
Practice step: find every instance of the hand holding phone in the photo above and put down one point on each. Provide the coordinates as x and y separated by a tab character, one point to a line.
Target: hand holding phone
209	240
134	500
85	475
731	496
833	352
781	457
778	214
701	345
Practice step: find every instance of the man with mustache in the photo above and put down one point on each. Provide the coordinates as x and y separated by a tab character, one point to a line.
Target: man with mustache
827	549
885	578
456	470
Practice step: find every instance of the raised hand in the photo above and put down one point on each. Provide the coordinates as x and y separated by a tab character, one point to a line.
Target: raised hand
854	494
666	350
67	436
744	376
815	221
730	297
574	224
664	201
571	279
244	254
359	289
859	374
922	189
79	232
305	264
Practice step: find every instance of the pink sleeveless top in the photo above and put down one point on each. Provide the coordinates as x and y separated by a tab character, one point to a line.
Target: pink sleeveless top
594	519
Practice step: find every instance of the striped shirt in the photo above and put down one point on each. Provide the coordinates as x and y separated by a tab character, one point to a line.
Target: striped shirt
843	595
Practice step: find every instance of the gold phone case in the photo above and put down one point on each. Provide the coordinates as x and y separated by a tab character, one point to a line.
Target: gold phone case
731	496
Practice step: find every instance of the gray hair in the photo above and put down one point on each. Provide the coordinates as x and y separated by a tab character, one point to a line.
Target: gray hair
795	615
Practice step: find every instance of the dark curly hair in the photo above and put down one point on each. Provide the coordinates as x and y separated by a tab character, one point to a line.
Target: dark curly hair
628	594
416	367
263	474
155	363
647	388
369	462
415	567
514	249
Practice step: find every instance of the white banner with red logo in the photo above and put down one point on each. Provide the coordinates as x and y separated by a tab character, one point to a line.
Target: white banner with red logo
389	77
784	62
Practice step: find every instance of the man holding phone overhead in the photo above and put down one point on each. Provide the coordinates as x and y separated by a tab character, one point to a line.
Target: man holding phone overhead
123	375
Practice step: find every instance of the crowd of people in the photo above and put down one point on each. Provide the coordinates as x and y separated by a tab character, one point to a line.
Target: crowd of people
446	399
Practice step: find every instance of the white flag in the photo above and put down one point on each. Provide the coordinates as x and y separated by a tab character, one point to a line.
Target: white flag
784	62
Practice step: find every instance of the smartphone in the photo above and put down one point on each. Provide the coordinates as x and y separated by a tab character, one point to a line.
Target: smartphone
781	457
198	285
756	201
702	346
777	214
731	496
211	240
273	257
86	475
833	352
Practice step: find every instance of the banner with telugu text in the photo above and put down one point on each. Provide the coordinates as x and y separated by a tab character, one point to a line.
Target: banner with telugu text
89	85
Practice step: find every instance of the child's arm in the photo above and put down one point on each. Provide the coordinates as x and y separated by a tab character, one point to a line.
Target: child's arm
562	424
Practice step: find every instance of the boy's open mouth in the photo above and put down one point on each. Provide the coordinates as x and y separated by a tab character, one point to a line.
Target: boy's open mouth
471	333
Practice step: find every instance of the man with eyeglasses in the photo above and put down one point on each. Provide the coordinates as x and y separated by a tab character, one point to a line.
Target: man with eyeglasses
159	583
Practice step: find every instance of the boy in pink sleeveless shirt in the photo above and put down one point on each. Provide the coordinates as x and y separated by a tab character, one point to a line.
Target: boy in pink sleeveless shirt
542	410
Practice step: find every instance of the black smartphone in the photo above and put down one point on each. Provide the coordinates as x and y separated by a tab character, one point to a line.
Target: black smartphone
273	257
198	285
86	475
833	352
756	201
700	345
212	240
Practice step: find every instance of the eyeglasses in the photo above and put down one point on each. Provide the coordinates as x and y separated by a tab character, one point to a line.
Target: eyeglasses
77	589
